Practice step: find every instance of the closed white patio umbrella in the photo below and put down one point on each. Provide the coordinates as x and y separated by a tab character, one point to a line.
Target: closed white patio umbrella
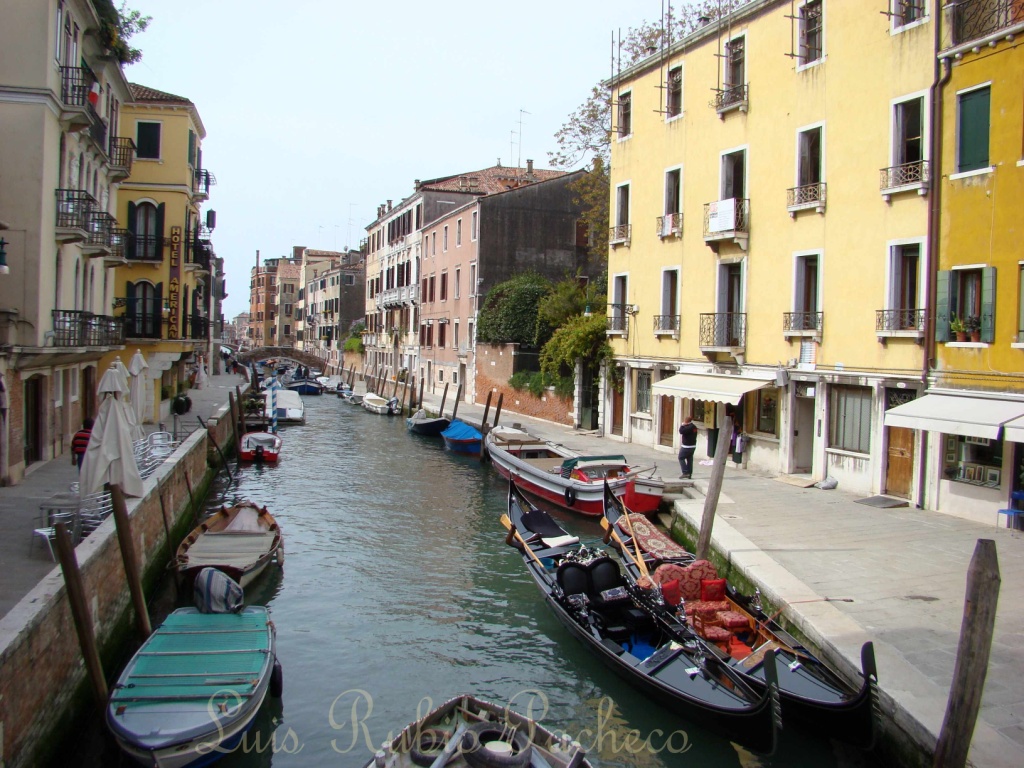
137	386
110	457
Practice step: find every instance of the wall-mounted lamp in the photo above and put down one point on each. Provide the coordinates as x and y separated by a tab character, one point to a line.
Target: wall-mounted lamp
587	312
4	269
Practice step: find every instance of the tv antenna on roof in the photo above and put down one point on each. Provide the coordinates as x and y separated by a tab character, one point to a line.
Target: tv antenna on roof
519	157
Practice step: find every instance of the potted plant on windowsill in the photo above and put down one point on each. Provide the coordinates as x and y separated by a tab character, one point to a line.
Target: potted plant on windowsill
957	327
972	325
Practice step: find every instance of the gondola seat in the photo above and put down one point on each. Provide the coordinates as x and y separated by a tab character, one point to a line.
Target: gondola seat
689	576
705	607
708	628
734	620
573	578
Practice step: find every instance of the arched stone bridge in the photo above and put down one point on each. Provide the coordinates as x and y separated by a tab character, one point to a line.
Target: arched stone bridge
262	353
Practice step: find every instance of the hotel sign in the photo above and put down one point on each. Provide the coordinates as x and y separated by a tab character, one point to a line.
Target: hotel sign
174	285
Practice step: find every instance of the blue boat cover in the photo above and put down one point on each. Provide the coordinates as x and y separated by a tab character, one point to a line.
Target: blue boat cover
460	430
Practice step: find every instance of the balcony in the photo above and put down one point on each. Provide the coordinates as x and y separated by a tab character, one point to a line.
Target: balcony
119	239
666	325
723	332
620	234
618	319
670	225
899	323
202	180
981	21
802	324
727	220
72	328
76	83
731	97
908	177
73	210
144	248
98	225
197	255
195	328
805	197
122	153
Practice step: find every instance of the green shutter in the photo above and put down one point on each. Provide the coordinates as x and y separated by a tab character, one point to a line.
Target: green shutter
160	230
988	304
192	148
974	130
130	244
942	318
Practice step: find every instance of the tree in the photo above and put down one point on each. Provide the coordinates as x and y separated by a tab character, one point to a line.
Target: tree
581	338
509	313
592	192
118	26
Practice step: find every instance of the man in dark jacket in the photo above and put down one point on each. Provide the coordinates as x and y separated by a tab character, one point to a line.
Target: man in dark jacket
80	442
687	447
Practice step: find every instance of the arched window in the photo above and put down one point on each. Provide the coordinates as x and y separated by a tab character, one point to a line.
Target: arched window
145	221
144	310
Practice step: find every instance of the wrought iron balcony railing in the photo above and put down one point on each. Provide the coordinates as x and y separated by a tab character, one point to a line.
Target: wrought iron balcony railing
97	127
195	327
619	233
806	196
73	208
143	318
975	19
197	254
666	324
671	224
73	328
202	181
119	238
618	318
910	175
723	329
122	153
731	97
722	220
899	320
796	322
75	85
144	247
99	225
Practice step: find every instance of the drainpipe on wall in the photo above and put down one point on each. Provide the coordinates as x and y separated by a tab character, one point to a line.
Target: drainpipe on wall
943	70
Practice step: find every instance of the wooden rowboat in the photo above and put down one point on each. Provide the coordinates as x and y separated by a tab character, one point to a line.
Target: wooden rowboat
259	446
468	731
240	541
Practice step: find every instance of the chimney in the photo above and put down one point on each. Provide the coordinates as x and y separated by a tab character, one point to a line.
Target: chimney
499	162
703	21
389	205
651	50
416	185
529	167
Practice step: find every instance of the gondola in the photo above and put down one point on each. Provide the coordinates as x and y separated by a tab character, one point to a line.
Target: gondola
585	589
737	630
469	731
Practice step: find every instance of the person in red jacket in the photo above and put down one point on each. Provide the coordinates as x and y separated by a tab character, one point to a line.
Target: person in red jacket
80	442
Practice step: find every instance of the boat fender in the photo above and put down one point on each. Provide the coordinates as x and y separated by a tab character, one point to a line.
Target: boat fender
277	680
427	746
477	754
570	496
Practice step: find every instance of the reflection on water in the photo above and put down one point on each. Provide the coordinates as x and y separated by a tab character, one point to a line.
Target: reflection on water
397	587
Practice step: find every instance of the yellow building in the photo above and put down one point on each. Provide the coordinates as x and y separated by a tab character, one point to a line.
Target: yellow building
971	421
161	288
770	214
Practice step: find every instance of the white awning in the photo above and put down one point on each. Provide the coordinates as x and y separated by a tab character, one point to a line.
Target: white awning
952	415
1014	430
707	386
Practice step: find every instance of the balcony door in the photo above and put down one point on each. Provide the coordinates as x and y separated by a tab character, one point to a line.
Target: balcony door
144	310
730	305
734	185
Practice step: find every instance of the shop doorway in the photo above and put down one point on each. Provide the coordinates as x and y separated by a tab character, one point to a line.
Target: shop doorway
34	399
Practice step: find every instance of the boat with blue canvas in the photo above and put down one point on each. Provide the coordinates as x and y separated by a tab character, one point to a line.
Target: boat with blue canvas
461	437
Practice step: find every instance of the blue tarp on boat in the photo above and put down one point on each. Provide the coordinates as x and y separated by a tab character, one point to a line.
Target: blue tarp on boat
460	430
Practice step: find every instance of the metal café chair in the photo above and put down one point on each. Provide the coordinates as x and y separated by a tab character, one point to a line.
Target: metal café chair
93	511
49	516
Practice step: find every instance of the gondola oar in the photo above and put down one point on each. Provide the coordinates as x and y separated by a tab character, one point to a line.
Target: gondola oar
513	533
625	513
612	533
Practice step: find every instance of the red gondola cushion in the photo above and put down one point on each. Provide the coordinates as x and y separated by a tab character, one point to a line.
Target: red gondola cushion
717	634
689	576
712	589
671	593
733	620
706	607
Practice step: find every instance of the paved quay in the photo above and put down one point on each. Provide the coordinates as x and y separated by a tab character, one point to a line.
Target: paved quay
24	558
904	571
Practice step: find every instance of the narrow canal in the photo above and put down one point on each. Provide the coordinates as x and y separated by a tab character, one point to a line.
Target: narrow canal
398	587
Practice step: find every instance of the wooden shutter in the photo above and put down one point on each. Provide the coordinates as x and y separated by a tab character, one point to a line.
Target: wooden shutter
159	233
130	245
974	130
988	304
942	304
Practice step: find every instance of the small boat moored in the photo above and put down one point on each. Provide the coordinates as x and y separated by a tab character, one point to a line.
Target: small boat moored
461	437
381	406
468	731
422	424
259	446
305	386
239	541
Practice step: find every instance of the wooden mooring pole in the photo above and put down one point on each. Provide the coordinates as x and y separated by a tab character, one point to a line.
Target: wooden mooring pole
497	409
420	401
707	521
131	562
458	399
487	409
82	616
444	396
972	656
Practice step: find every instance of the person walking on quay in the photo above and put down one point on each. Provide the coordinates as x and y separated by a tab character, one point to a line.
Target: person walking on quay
687	447
80	442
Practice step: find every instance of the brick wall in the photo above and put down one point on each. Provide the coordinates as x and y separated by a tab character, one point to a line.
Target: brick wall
41	669
548	407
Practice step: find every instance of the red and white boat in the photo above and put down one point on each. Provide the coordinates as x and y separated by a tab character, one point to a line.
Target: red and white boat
259	446
556	475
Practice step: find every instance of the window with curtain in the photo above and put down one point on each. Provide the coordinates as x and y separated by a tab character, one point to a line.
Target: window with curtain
849	421
643	392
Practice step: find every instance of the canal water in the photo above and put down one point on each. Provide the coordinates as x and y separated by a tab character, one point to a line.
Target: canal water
398	590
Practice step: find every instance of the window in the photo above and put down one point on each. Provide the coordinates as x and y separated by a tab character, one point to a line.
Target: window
972	129
431	294
147	226
811	35
625	114
735	63
472	231
441	333
472	280
906	12
444	246
147	140
643	392
734	175
805	294
908	130
444	286
967	295
433	243
143	310
458	232
191	148
669	319
458	280
672	222
674	92
849	418
809	160
622	206
455	335
905	277
617	317
766	410
440	371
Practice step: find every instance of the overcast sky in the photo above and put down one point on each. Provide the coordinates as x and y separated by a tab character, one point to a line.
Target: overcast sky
316	111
